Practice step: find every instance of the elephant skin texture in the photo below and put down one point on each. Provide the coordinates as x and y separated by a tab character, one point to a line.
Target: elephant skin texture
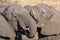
5	29
14	13
44	15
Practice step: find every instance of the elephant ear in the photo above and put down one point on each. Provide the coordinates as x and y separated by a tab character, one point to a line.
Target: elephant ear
52	26
51	11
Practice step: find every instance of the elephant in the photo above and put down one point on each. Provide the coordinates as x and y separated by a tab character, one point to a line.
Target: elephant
45	17
37	14
16	13
5	29
53	15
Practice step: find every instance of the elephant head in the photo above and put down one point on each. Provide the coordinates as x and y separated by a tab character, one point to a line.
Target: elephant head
52	16
42	14
16	13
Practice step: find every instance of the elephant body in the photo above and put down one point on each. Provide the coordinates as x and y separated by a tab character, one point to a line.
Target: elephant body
5	29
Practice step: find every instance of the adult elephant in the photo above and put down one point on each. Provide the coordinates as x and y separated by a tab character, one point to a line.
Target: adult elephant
5	29
45	18
53	19
16	13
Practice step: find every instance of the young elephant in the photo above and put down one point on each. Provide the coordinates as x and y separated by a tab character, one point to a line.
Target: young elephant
5	29
16	13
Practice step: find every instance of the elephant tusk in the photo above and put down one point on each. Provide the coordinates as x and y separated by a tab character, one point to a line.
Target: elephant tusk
40	25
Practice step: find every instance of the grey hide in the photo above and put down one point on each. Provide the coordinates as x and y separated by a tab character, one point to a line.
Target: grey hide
36	14
44	16
5	29
16	13
52	25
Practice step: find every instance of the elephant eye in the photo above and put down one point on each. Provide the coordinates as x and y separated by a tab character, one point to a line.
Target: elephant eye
43	13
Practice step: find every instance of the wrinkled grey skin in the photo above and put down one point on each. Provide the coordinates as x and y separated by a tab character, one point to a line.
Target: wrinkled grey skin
8	27
5	29
37	14
16	13
45	17
50	12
